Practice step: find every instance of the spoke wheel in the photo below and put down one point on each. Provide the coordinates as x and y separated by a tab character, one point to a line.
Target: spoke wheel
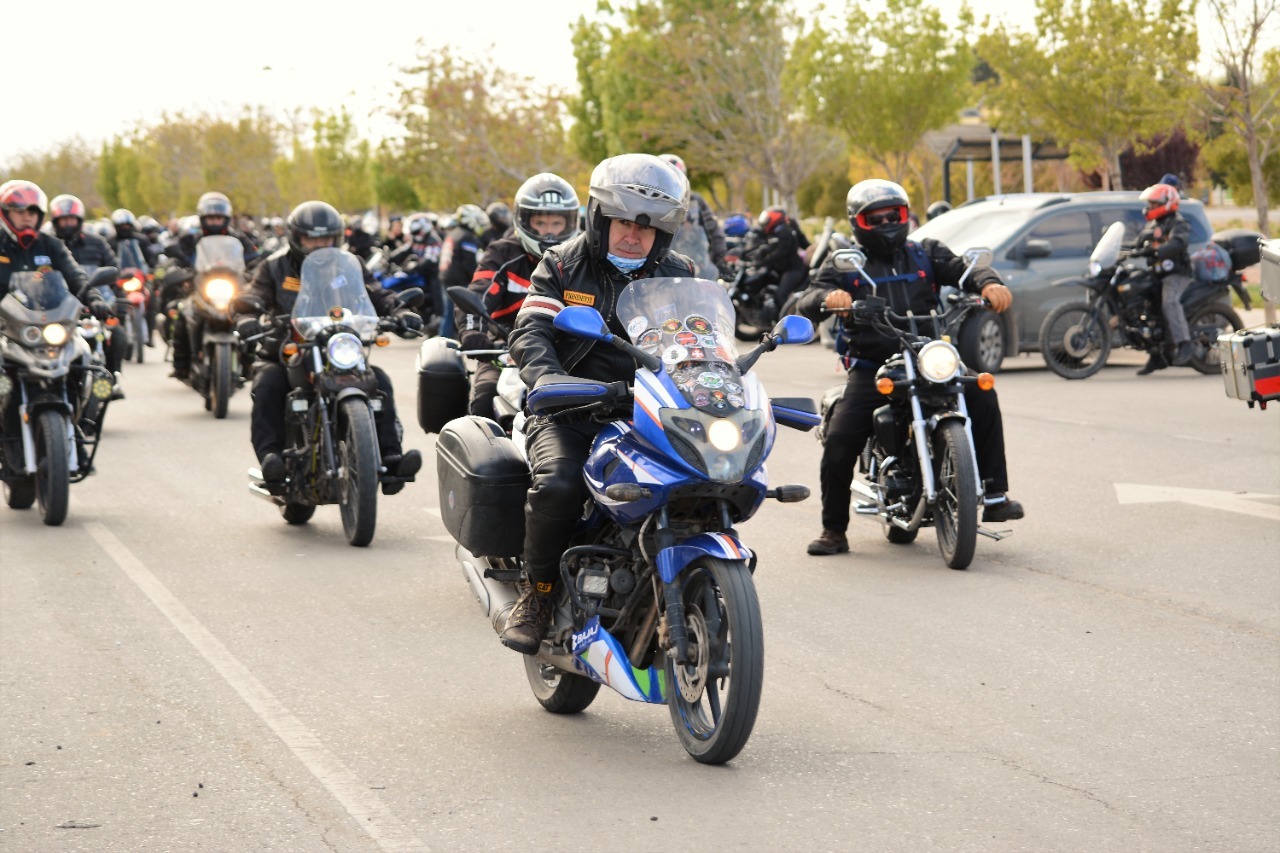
955	513
558	691
357	452
53	477
1206	324
1075	340
713	699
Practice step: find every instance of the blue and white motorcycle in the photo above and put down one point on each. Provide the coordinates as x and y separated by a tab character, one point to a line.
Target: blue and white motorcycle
657	599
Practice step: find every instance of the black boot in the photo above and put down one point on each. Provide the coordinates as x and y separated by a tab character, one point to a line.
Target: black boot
403	466
1182	355
273	469
1002	509
530	618
1155	362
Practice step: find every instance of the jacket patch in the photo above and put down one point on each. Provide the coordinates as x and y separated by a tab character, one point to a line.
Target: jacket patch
291	283
573	297
3	259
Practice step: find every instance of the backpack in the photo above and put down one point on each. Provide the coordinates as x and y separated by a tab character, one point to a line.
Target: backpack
920	260
1211	264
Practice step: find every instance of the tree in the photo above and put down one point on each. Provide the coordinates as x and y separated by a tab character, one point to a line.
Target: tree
71	167
1098	76
1248	103
342	162
889	77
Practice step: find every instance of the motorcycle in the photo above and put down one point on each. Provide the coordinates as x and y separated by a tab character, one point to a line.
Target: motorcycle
133	298
919	463
1122	307
332	454
46	361
657	599
215	346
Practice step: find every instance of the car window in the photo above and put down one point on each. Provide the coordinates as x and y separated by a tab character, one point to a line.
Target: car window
1131	217
1069	233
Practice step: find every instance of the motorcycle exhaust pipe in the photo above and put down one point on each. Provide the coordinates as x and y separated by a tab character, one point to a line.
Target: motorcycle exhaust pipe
495	597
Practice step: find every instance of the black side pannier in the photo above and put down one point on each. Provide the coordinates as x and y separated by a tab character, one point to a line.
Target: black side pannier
1241	245
443	388
483	483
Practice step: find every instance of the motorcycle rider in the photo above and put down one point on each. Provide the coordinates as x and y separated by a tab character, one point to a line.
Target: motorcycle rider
636	204
359	241
499	223
936	209
128	246
1164	240
395	233
700	238
774	244
546	216
276	283
878	212
459	256
421	256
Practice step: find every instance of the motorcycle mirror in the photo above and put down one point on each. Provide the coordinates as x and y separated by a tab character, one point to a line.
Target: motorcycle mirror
794	329
583	322
410	297
977	255
246	304
469	302
104	276
848	260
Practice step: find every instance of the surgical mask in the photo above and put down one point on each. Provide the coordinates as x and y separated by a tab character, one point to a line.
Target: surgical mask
625	264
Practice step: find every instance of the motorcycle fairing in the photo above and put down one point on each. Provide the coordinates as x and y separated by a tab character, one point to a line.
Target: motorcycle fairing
672	561
601	658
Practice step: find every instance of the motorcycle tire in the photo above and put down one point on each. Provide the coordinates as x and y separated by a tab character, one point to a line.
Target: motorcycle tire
53	475
20	492
955	512
297	513
1075	340
726	644
1206	323
220	383
357	454
138	333
558	691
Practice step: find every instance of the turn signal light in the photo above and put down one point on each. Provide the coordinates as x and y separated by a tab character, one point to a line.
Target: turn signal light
986	381
884	385
382	340
290	349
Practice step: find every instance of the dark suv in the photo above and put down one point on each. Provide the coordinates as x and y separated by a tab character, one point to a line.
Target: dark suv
1037	239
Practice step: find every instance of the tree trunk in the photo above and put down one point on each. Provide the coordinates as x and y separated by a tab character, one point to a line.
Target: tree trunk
1259	183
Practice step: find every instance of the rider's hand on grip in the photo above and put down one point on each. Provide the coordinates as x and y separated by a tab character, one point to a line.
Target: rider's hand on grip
100	309
248	327
409	321
838	300
999	297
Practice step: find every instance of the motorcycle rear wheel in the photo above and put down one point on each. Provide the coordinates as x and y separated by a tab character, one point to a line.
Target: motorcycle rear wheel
558	691
20	493
138	331
1206	324
357	454
1075	340
53	476
955	513
714	698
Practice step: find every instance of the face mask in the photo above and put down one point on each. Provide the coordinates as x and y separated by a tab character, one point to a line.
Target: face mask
625	264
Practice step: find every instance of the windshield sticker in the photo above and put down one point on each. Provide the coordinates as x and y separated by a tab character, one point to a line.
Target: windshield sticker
696	323
701	399
733	388
687	339
339	282
650	340
735	400
697	353
636	326
671	326
711	380
674	354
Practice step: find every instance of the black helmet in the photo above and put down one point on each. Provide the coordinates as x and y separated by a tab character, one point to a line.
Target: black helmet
214	204
63	206
936	209
499	215
313	219
876	237
638	188
545	193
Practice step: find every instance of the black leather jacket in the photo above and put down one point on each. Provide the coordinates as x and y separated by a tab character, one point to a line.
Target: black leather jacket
46	253
1170	247
90	250
568	275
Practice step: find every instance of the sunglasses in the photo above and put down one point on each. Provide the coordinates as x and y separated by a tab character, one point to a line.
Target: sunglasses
884	217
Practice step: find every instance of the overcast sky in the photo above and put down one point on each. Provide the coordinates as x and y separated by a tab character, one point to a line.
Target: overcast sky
96	69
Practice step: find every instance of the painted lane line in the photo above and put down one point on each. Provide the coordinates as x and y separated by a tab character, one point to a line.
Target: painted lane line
364	806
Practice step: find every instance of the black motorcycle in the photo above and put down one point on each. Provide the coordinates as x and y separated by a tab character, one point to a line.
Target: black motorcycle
1122	307
215	346
332	454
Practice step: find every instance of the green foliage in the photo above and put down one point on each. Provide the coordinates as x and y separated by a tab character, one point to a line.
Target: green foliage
1097	75
342	163
1228	163
889	77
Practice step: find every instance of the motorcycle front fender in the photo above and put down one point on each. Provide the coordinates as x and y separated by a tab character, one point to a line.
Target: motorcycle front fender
212	337
672	561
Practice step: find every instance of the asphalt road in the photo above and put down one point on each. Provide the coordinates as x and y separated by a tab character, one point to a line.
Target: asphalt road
180	670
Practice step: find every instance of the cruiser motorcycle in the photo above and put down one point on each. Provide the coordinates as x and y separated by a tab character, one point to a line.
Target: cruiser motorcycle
215	346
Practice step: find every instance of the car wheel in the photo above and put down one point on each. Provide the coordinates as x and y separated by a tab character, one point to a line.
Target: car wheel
982	342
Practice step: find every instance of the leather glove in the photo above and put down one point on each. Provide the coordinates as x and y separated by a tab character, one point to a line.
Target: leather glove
475	340
101	309
248	327
409	321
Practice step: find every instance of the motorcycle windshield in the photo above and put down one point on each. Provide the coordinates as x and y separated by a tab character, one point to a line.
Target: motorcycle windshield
38	298
688	323
1108	248
219	252
332	293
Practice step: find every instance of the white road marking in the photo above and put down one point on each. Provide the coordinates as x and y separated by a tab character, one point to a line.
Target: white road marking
364	806
1244	503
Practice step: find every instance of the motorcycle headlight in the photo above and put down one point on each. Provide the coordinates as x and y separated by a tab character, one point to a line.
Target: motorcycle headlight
1095	269
31	334
219	291
55	334
939	361
724	435
345	351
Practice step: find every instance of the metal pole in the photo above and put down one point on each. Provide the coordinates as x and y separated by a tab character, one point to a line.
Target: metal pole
1026	163
946	181
968	174
995	161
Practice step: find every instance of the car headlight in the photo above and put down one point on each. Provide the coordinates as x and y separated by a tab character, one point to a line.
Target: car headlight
345	351
724	435
219	291
55	334
939	361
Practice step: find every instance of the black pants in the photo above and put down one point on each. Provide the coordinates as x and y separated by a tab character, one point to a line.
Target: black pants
484	388
557	452
186	328
113	350
788	282
270	396
851	426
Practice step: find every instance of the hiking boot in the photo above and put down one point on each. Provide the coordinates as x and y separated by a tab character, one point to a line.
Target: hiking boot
1155	362
530	618
273	469
1182	355
830	542
1000	508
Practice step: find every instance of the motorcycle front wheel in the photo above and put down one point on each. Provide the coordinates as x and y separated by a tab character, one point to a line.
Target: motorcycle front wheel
357	452
53	476
1075	340
558	691
1206	324
139	332
713	699
220	381
955	512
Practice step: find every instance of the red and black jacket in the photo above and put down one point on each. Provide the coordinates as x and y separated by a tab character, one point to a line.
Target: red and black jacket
502	282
